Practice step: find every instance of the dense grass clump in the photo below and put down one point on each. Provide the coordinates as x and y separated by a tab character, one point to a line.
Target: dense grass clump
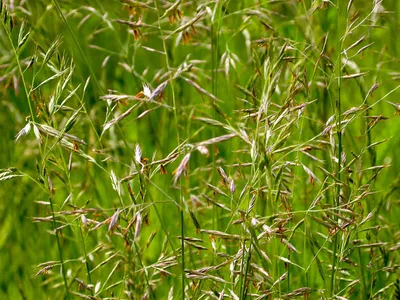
199	149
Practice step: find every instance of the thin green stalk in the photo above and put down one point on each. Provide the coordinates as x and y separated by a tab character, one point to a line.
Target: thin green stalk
214	81
145	272
182	249
91	72
65	166
20	71
37	24
361	263
181	265
171	82
243	293
87	63
86	258
181	212
49	192
77	44
64	274
241	268
339	152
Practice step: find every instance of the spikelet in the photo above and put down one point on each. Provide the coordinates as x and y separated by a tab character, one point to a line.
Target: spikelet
181	168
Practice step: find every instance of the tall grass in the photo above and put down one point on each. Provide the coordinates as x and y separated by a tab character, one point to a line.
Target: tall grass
199	149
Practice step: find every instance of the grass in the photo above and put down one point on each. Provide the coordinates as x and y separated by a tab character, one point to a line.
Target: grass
199	149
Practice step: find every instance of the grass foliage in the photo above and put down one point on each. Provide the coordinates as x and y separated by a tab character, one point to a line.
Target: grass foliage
199	149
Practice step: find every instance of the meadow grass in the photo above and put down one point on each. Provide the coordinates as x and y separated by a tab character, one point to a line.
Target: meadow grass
199	149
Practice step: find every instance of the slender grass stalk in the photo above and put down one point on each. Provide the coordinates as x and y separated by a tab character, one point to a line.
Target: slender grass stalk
100	89
48	191
78	45
214	31
16	56
85	255
181	209
146	276
60	253
37	24
89	278
183	249
169	238
363	280
171	77
242	278
340	146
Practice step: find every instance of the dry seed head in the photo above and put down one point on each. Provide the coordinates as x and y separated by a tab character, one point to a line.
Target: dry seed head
396	106
222	173
138	225
268	229
232	186
216	190
181	168
146	90
158	90
44	270
45	129
119	118
97	287
289	245
114	221
343	157
104	63
23	131
311	174
84	220
203	150
195	201
175	15
232	268
251	204
217	139
163	170
37	133
213	245
115	183
138	154
186	38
